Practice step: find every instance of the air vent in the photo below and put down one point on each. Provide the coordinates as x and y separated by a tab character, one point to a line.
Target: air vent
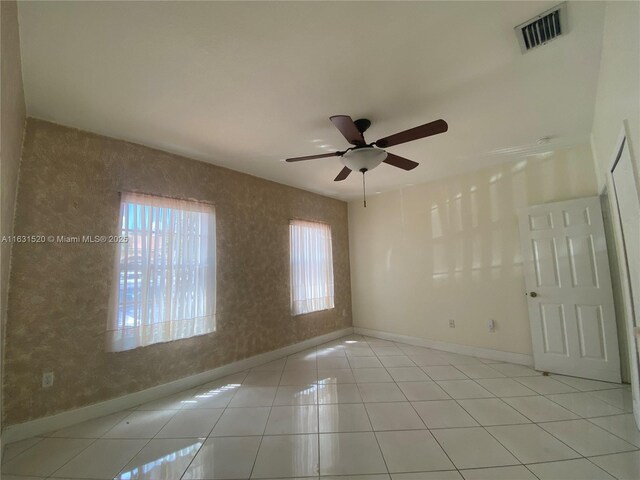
543	28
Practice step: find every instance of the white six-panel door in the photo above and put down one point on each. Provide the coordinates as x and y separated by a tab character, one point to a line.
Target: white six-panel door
573	325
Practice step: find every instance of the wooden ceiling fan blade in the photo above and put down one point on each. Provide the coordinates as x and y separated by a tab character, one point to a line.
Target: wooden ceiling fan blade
400	162
344	173
426	130
348	129
311	157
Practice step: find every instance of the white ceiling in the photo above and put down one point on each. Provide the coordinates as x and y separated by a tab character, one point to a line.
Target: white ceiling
244	85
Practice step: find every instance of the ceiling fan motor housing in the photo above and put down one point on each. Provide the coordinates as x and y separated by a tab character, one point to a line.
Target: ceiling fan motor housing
362	124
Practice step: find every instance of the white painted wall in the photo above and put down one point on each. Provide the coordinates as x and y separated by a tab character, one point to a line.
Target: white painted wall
617	101
450	250
618	96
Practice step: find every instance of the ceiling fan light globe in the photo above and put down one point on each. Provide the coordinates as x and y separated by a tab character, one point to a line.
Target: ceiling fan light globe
366	158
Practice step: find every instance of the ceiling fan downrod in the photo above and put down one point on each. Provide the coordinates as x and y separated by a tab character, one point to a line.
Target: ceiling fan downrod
364	188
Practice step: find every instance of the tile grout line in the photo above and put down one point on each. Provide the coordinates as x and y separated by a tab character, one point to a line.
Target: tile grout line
255	460
450	398
534	423
554	421
319	469
224	409
586	393
502	444
94	440
498	397
589	459
386	465
468	413
594	424
20	453
51	475
395	382
421	419
416	412
425	423
102	438
145	445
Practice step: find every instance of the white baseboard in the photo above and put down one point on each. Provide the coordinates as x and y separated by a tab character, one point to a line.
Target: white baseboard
511	357
39	426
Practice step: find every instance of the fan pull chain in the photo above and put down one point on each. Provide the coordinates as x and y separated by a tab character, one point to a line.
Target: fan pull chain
364	190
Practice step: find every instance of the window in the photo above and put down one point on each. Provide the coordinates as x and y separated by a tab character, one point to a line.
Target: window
311	267
165	284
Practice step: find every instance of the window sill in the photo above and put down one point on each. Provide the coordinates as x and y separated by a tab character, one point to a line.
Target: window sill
294	315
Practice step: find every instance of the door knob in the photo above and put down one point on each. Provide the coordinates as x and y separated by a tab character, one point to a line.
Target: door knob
533	294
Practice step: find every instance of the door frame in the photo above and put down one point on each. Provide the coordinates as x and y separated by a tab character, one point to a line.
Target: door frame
627	300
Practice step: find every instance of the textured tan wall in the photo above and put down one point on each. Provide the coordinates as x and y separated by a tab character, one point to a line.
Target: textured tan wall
59	293
11	133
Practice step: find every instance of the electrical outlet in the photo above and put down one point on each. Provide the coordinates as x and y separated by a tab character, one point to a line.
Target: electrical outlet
491	324
452	324
47	379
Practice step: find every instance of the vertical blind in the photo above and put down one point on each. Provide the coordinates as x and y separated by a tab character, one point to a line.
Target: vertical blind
311	267
165	284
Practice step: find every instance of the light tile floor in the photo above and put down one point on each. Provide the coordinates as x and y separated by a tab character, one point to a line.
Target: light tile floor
356	408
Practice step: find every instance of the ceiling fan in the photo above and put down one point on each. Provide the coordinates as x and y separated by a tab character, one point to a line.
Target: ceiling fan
364	156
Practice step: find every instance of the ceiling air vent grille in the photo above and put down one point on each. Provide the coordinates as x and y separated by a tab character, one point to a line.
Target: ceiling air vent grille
543	28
